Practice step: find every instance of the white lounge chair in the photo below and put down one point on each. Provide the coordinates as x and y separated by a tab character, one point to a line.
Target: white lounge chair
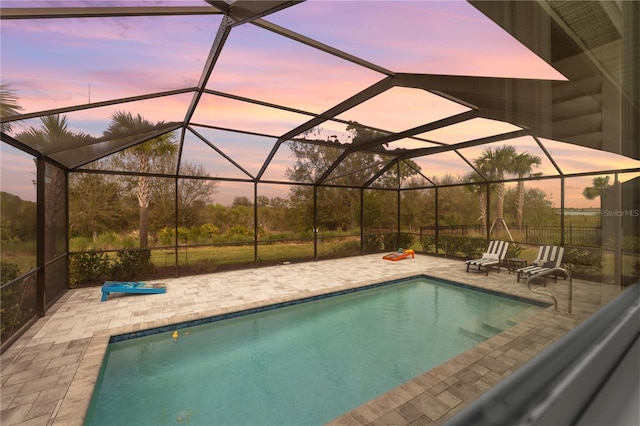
548	257
493	257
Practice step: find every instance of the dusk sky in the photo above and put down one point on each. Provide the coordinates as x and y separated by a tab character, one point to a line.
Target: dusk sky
57	63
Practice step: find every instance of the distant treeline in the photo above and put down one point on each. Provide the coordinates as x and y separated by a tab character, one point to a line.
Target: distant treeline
18	218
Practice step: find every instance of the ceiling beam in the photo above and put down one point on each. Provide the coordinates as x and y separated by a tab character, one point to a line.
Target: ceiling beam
9	13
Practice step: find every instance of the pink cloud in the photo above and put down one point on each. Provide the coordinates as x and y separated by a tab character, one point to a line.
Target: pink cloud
402	108
237	115
449	37
261	65
64	62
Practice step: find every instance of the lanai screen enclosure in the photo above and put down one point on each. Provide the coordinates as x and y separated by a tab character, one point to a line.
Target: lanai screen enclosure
185	136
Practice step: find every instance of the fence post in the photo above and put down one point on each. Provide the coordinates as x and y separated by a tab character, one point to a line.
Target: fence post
570	235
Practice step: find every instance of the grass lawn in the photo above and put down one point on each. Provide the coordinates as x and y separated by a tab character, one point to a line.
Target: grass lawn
207	259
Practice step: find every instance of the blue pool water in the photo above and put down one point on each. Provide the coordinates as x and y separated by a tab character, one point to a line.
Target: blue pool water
303	364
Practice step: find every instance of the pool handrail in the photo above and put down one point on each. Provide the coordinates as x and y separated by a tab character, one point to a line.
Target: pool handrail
549	272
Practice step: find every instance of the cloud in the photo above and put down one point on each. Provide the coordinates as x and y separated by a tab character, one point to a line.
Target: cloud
65	62
258	64
449	37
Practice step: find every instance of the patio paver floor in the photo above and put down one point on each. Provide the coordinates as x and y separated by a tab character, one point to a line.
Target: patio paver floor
48	374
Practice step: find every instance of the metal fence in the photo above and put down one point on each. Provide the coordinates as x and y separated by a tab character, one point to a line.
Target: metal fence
579	236
18	298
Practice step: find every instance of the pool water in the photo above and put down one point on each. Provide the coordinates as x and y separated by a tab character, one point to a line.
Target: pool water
304	364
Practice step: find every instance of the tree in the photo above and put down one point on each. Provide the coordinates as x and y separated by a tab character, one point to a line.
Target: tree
194	194
497	163
140	158
18	218
217	215
540	210
272	213
312	160
479	189
454	203
8	105
338	201
92	204
599	185
53	132
241	201
523	165
279	203
414	204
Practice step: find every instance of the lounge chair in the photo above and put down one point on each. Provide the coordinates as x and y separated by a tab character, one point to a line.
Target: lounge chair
493	257
548	257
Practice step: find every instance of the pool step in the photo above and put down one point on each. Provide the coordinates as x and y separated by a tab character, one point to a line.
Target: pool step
501	321
495	323
476	332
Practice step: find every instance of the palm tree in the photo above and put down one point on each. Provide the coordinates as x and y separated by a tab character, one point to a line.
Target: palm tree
54	130
523	165
8	105
495	164
480	191
599	185
142	157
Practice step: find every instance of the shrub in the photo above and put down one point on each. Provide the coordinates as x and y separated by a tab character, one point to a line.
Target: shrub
583	261
582	257
80	243
129	241
351	246
428	243
8	272
373	243
462	246
88	266
167	236
390	241
239	233
108	240
631	244
406	240
209	231
514	251
94	266
132	264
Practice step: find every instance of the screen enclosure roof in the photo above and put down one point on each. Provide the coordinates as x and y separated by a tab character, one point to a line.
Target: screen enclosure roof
390	89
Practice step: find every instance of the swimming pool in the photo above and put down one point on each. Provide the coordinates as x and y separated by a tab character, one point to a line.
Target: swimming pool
305	363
